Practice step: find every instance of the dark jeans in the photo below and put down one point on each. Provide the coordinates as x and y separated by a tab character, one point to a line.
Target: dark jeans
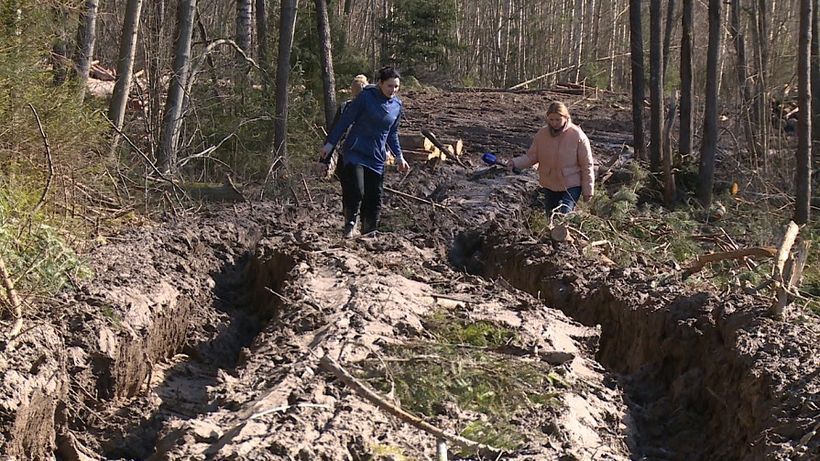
564	200
361	190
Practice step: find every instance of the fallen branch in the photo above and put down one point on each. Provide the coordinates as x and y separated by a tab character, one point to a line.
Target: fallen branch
332	366
418	199
702	260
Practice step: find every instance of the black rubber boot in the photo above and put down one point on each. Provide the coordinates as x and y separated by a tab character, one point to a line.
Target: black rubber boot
369	225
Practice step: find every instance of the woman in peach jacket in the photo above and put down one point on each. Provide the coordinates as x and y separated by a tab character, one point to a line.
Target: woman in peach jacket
564	158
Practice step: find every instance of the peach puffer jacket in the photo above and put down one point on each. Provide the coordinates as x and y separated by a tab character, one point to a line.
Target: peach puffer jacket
564	160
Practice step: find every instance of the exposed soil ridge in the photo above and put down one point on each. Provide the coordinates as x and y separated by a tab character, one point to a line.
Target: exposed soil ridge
708	378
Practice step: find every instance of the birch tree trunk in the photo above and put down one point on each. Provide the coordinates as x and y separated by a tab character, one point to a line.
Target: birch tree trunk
328	78
287	27
687	92
804	128
86	37
125	66
244	15
172	119
708	147
636	48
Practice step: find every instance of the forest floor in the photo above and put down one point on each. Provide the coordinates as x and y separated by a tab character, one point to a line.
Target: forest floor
210	336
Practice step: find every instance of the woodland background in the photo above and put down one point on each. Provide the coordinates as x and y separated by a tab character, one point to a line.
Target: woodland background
115	111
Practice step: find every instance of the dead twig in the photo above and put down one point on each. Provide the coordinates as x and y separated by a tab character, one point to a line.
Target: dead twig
48	160
14	301
329	364
307	190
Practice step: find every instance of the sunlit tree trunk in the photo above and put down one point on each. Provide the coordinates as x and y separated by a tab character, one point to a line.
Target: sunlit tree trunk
172	117
804	128
287	27
125	65
328	79
708	147
86	37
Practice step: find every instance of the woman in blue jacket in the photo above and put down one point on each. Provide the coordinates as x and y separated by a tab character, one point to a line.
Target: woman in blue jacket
373	118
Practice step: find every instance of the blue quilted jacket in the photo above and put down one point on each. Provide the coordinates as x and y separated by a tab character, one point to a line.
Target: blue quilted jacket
375	123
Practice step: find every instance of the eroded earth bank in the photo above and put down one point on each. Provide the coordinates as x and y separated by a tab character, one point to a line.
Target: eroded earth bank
202	338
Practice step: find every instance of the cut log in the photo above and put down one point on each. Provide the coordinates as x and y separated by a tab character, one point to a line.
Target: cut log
415	141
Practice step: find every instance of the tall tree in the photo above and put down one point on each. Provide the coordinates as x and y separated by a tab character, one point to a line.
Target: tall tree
125	65
655	85
172	118
736	31
815	86
708	147
671	5
686	87
804	135
86	37
244	21
328	79
262	42
636	52
287	27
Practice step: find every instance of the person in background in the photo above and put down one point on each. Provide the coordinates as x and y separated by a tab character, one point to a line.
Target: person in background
373	119
564	158
332	163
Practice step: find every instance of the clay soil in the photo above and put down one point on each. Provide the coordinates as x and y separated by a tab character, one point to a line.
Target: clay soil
201	337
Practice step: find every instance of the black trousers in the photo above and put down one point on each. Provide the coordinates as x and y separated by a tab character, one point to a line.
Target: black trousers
362	191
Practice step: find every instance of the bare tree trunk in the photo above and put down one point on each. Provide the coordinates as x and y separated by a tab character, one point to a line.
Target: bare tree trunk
744	92
636	49
761	48
262	42
328	79
125	65
708	148
815	86
804	129
669	32
687	92
172	119
86	36
156	63
287	27
655	85
579	40
244	15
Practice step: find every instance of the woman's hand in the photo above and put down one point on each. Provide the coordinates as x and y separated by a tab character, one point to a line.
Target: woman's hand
403	166
324	152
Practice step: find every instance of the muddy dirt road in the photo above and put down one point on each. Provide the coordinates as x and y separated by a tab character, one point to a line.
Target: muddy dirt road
201	338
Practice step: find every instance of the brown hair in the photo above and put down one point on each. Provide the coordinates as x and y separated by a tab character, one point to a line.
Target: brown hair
557	107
